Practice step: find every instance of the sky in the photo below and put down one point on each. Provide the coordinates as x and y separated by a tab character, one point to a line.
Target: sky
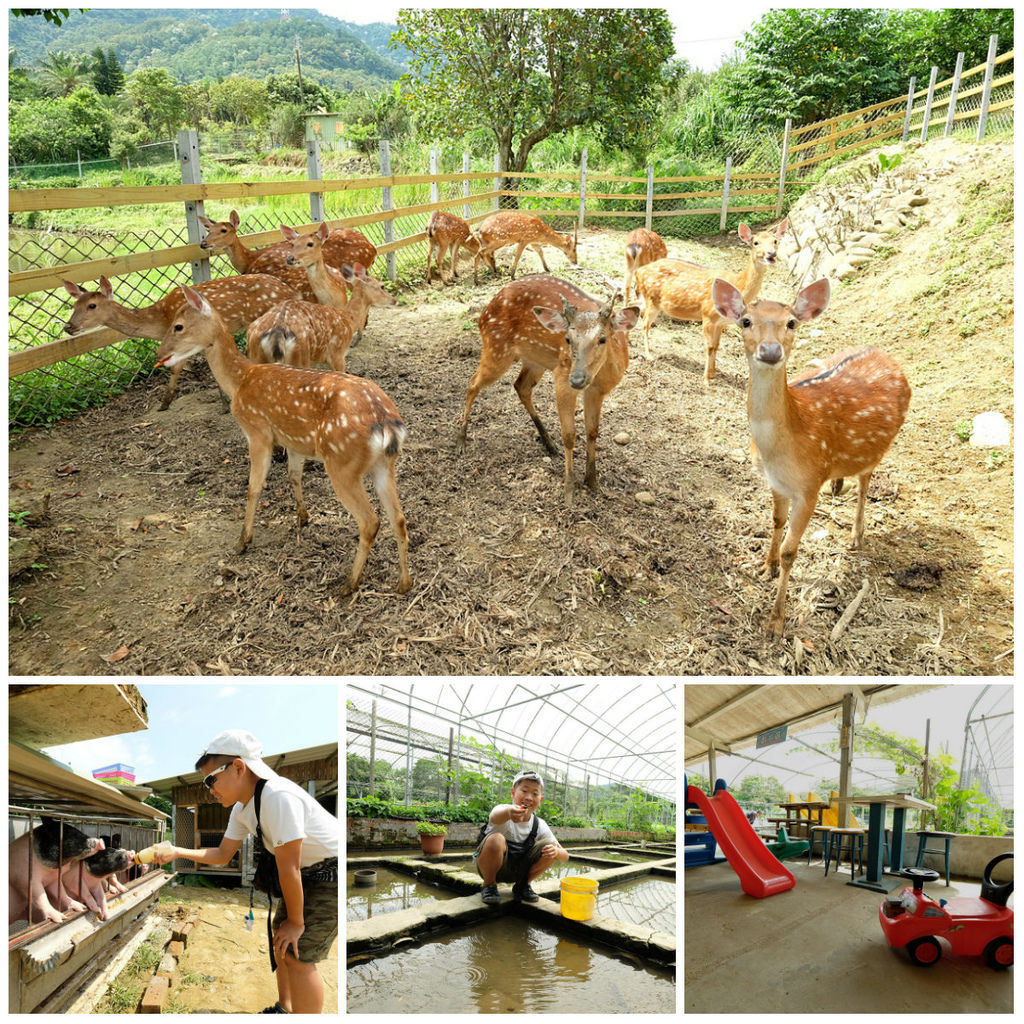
946	708
184	717
703	35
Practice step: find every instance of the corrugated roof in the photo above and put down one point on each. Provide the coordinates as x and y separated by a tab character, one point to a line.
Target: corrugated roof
732	715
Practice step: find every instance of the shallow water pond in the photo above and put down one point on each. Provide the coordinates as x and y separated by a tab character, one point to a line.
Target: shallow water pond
392	892
507	965
557	870
649	902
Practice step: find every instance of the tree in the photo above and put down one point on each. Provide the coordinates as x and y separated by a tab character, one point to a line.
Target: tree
57	129
240	99
60	74
154	95
527	74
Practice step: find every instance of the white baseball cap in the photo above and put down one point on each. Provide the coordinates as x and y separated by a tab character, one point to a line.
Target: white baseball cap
242	744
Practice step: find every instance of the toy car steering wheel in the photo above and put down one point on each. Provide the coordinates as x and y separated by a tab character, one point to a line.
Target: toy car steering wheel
919	876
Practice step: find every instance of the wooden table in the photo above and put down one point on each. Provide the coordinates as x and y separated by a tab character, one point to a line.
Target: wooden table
876	805
793	819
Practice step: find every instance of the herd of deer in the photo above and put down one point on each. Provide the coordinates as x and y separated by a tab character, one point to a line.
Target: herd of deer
305	300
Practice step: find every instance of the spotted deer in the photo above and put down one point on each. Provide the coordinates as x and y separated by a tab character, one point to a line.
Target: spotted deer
238	300
342	245
825	424
522	230
548	324
346	422
448	233
301	333
642	247
682	290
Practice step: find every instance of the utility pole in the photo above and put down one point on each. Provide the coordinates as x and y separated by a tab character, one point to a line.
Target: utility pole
298	65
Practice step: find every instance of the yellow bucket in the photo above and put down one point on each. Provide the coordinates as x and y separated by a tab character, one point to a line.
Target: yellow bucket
578	897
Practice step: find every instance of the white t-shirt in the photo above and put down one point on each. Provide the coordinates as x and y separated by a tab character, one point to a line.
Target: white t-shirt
519	831
287	812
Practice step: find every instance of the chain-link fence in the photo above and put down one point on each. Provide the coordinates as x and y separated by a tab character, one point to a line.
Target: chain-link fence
151	154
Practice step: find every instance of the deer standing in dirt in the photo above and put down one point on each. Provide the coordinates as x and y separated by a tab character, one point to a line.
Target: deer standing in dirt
300	333
682	290
238	300
522	230
642	247
345	421
342	245
548	324
826	424
448	233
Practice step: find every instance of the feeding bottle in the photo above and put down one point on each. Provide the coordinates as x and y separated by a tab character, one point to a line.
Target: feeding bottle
149	854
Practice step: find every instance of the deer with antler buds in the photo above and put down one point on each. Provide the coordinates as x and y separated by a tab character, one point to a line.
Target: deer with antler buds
522	230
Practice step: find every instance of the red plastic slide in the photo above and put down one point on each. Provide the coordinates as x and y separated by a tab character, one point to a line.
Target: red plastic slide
761	872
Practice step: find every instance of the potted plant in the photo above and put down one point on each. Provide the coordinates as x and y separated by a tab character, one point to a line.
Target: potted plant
431	836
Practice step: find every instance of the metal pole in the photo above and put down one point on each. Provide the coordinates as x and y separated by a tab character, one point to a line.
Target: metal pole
725	194
373	748
924	782
316	199
79	154
928	103
782	169
583	185
986	94
845	757
408	749
188	146
649	215
386	204
910	109
451	752
465	186
954	89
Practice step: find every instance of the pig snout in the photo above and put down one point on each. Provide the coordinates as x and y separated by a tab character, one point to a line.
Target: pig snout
107	862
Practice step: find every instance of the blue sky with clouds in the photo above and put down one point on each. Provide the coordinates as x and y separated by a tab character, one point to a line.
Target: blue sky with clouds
184	717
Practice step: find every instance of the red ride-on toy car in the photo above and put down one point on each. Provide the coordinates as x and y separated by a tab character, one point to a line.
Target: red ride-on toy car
973	926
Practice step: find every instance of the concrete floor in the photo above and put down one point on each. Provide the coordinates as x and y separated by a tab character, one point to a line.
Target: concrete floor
817	947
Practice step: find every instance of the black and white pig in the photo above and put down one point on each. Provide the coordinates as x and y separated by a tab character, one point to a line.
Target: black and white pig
85	879
43	847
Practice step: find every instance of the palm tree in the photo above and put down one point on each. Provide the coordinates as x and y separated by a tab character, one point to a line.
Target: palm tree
60	74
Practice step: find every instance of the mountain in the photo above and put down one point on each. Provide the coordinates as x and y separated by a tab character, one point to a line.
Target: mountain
215	43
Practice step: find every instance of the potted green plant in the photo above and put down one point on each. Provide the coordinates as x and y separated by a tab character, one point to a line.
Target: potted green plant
431	836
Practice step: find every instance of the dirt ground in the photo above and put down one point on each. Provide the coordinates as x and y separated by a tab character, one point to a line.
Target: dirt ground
225	969
136	571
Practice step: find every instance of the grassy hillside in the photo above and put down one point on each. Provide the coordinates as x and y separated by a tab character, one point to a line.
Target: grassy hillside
215	43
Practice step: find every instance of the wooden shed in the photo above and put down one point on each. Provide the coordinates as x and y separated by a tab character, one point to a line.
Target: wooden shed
52	966
199	821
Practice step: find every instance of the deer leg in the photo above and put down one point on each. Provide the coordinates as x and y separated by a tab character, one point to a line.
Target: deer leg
565	397
260	450
172	386
348	486
862	498
593	400
525	383
780	514
296	464
486	374
387	491
539	250
430	253
455	250
650	315
515	262
802	511
712	336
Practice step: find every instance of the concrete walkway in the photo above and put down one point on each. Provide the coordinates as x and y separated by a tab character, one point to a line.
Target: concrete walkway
818	947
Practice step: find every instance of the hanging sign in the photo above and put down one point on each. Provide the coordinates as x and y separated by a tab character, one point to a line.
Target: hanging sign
766	739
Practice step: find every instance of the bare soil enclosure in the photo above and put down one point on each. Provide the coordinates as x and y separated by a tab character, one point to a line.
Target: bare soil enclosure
134	570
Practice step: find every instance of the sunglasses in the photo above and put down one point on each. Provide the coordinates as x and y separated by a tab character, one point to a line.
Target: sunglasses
209	780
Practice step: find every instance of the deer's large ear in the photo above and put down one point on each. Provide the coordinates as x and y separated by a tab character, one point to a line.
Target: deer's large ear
625	319
728	300
234	218
780	230
76	291
323	231
290	233
206	222
195	299
105	287
745	233
551	319
811	302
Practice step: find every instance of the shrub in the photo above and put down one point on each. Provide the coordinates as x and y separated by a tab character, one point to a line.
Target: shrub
428	828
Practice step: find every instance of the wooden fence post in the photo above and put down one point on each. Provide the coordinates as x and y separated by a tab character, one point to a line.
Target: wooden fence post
497	180
583	186
954	89
465	186
782	169
435	192
986	94
188	146
910	109
928	103
649	216
725	194
316	199
387	204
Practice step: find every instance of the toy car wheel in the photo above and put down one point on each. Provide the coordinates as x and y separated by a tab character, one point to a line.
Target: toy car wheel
998	954
924	952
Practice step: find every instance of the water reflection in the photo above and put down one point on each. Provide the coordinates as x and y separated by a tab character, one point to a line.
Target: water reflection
392	892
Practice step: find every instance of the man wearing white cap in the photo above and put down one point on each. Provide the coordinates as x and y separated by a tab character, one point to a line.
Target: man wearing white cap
303	839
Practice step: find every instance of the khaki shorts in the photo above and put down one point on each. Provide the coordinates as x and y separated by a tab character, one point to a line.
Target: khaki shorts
514	867
320	915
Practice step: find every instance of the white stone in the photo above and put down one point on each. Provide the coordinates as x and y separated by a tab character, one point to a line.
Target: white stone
622	437
645	497
991	430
